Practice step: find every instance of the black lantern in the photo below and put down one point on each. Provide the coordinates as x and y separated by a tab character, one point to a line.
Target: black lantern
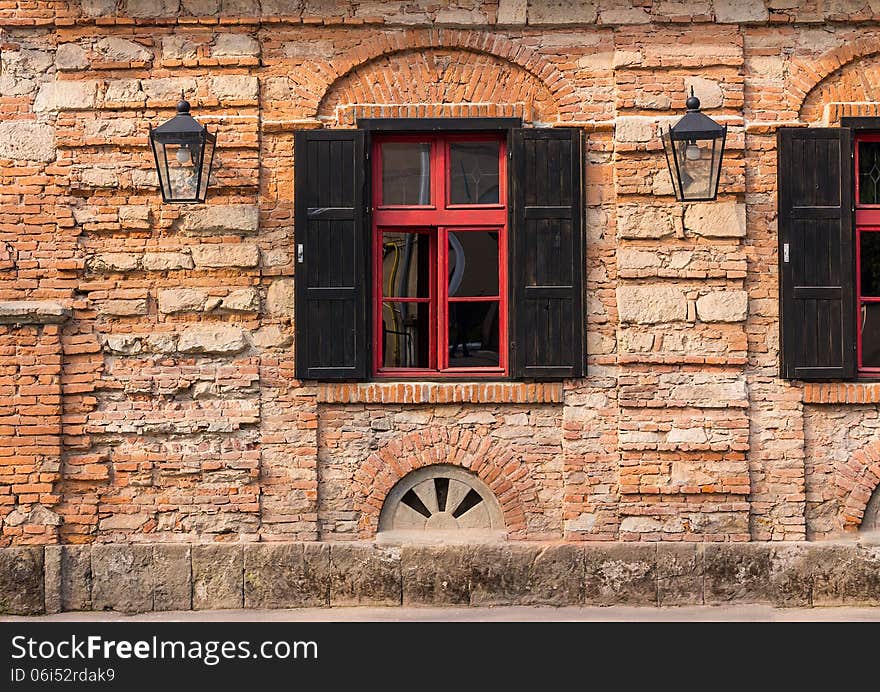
184	151
694	148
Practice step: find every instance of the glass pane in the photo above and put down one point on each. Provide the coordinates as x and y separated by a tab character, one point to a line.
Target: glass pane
869	172
179	170
473	263
406	265
869	257
871	335
473	335
206	168
473	173
405	330
698	162
406	173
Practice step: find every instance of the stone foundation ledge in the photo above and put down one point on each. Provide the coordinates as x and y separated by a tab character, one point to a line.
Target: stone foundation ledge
153	577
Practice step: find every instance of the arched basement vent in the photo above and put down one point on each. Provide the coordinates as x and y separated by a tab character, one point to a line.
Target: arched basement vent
442	499
871	519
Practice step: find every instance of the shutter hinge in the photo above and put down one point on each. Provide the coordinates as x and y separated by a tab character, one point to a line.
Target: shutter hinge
785	253
300	253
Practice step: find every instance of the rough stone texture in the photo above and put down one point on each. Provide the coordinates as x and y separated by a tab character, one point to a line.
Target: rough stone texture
71	56
122	578
27	141
76	577
634	129
21	581
32	312
435	575
235	45
280	298
562	12
222	220
620	574
235	88
364	575
216	339
226	255
67	95
707	90
679	574
723	306
172	577
123	308
719	220
165	261
651	304
113	262
243	300
736	11
640	221
173	300
217	572
122	50
286	575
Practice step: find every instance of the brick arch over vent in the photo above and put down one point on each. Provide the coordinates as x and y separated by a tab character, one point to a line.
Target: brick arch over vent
489	459
834	77
856	482
494	45
439	82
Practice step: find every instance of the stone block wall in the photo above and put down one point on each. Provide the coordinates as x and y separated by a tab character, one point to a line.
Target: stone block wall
160	403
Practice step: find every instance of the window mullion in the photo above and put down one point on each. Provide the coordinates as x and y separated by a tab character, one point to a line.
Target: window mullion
442	321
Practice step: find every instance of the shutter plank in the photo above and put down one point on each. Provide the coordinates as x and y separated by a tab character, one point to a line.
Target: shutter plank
332	337
546	315
817	294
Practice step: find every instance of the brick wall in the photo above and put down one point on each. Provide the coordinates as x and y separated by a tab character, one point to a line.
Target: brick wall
167	406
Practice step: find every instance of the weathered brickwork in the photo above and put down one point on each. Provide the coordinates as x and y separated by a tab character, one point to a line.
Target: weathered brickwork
147	381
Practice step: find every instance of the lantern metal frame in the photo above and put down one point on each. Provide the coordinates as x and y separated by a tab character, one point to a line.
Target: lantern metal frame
694	127
185	131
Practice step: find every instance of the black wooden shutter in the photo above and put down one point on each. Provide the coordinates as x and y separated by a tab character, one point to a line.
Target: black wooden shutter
816	260
547	254
332	337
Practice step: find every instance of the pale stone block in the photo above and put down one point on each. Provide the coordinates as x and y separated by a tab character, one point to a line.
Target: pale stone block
736	11
213	339
124	344
226	255
235	87
235	46
562	12
243	300
622	15
707	90
24	140
71	56
124	308
164	261
651	304
512	11
167	88
150	8
634	128
280	298
723	306
630	258
173	300
113	262
67	95
641	221
716	220
271	336
179	47
122	50
124	91
222	219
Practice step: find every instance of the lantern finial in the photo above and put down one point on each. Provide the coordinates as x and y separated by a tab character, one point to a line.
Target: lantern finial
692	103
183	105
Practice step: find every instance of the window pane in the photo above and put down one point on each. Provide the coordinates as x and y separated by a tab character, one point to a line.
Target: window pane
473	263
406	265
869	172
871	335
473	335
406	332
406	173
473	173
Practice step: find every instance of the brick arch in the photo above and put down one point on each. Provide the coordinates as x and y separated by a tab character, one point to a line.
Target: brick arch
809	79
490	44
856	482
491	460
438	82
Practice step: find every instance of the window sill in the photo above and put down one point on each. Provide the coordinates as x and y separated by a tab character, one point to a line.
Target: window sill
841	393
440	393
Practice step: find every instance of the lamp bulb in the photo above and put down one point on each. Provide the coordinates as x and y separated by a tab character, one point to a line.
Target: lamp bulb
692	152
183	155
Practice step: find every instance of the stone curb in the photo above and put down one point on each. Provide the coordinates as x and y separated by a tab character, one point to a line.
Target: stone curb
154	577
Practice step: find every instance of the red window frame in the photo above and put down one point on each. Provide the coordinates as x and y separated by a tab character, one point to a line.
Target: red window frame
867	221
438	218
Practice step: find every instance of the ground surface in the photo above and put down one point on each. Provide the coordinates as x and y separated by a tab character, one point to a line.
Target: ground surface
745	613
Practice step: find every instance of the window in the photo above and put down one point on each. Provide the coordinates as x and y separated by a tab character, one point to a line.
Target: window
867	181
439	251
447	248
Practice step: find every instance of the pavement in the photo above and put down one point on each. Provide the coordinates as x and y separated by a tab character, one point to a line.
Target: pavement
735	613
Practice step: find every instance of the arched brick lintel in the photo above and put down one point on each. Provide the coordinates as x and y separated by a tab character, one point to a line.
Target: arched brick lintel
490	459
807	75
856	482
494	45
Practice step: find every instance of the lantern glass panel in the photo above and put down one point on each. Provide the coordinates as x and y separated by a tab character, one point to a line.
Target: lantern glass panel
179	162
207	160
